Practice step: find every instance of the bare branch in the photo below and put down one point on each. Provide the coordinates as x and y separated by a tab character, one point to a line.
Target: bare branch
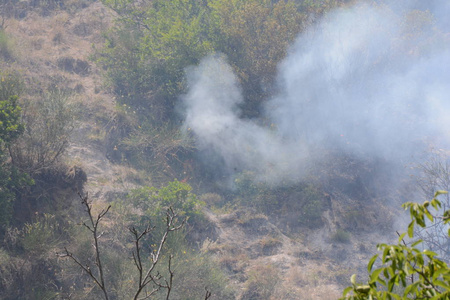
144	280
93	227
208	294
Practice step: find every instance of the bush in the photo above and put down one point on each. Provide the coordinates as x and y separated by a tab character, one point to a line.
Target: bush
297	204
145	58
261	283
5	46
340	236
42	235
161	149
11	127
48	124
154	202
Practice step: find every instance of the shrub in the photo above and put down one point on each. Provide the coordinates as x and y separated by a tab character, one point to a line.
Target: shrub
261	283
42	235
48	124
11	127
162	149
299	204
340	236
175	194
5	46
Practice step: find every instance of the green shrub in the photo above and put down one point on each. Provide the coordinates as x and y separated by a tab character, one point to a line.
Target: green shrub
48	124
11	128
5	46
145	57
312	207
298	204
341	236
261	283
42	235
154	202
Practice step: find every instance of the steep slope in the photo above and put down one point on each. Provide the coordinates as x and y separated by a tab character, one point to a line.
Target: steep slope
262	260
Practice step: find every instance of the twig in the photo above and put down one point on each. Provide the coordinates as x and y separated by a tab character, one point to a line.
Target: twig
93	228
144	280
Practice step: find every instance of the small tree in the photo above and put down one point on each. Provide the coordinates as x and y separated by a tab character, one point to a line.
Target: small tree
148	280
420	274
11	128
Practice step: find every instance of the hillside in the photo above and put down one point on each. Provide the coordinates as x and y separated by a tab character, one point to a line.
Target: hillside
280	213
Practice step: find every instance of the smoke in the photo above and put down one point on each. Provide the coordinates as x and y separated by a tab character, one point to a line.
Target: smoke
369	81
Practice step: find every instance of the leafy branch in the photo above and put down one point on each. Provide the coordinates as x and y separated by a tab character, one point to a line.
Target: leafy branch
401	262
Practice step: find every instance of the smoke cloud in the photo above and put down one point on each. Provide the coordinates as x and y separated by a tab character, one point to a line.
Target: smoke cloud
367	81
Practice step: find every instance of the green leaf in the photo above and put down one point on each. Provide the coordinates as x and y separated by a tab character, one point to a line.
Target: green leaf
401	237
347	290
353	279
442	284
412	288
440	192
411	229
429	253
416	243
374	276
371	262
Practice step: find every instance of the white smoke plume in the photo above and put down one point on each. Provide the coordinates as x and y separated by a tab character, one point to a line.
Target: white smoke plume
371	80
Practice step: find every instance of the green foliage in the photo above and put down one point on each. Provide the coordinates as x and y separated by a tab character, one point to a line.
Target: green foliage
421	274
5	45
10	125
42	235
11	128
341	236
48	124
261	283
145	58
299	204
11	87
155	202
312	207
146	54
254	35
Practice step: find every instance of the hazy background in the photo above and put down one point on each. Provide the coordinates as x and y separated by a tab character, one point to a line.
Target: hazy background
370	81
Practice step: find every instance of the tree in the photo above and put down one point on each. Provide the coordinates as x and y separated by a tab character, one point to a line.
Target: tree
255	36
420	274
11	128
149	280
168	36
151	272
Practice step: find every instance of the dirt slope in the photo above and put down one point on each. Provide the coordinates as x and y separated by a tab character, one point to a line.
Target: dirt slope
54	50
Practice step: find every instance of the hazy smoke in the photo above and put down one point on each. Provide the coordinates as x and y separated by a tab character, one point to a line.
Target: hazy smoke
369	81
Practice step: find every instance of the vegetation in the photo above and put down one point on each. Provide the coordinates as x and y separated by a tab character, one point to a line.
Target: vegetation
150	240
419	272
168	36
300	204
11	127
157	239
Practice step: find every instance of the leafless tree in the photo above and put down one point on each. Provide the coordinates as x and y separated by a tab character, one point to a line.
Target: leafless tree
147	274
92	226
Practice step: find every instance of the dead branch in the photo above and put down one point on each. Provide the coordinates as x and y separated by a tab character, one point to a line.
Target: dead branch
146	275
208	294
93	228
158	281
